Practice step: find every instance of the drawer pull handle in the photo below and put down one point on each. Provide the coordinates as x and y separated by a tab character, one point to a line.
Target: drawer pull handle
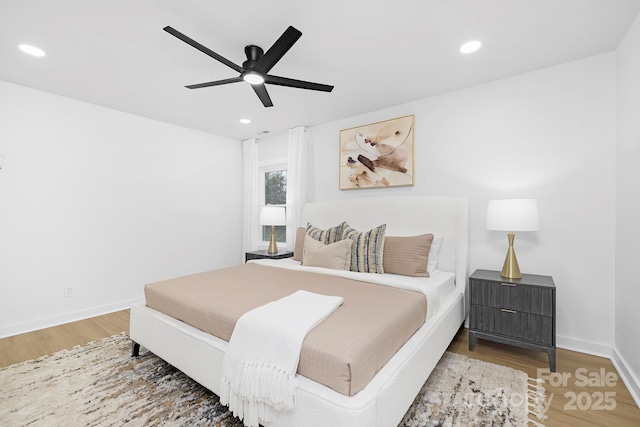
508	284
508	311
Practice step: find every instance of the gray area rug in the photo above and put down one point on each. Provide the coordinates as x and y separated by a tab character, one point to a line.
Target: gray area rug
101	385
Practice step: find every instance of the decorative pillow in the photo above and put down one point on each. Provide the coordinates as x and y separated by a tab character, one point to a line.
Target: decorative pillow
328	236
335	255
407	255
299	247
433	253
366	251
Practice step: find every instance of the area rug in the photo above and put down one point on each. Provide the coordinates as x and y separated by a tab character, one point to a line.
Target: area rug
101	385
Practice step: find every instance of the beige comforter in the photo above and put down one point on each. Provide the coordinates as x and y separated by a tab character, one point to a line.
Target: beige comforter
344	352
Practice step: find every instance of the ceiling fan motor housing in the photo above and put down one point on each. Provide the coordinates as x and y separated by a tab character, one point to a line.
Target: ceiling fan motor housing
254	53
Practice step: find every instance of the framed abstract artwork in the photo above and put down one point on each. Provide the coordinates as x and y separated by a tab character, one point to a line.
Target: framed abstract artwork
377	155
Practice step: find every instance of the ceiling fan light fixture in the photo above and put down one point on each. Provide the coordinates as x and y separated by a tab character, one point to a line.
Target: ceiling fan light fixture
31	50
253	77
470	46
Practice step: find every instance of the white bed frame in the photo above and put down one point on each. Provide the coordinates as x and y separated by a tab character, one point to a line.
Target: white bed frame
385	400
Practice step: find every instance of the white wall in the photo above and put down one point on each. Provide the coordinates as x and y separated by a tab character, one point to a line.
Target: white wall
273	148
548	134
627	292
104	202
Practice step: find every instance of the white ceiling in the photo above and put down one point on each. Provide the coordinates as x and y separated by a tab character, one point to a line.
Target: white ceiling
377	53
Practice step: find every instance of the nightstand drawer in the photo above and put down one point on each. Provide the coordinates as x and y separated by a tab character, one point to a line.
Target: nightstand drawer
511	296
512	323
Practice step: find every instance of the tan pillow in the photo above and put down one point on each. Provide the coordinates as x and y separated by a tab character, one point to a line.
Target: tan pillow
299	247
407	255
336	256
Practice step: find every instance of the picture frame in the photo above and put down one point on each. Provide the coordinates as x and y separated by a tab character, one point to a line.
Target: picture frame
378	155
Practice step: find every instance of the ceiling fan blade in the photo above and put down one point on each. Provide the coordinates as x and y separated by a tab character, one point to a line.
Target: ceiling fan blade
262	93
215	83
284	81
279	48
202	48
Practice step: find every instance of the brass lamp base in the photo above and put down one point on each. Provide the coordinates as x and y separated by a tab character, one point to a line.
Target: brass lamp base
273	247
511	270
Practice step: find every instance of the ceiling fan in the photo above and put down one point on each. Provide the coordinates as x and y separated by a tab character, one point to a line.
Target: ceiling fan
257	66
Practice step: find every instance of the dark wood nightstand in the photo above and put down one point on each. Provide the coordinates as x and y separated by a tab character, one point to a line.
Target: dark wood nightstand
519	312
264	255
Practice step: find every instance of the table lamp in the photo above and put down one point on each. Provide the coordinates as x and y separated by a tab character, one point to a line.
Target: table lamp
512	215
273	215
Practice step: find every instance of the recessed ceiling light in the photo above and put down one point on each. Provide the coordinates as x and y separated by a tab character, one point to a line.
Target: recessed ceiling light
31	50
470	47
245	121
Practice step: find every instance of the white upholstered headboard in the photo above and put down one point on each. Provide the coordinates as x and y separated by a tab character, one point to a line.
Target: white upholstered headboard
404	216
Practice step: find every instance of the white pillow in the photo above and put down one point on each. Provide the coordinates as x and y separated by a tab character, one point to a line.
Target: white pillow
432	262
336	255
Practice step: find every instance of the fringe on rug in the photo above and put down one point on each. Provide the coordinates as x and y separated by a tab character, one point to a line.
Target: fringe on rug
535	401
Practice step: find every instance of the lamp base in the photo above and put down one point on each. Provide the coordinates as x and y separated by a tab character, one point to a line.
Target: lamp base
510	269
273	247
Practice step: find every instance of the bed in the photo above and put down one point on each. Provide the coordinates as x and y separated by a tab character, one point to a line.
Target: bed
385	398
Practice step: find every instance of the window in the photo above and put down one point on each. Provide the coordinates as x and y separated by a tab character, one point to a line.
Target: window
275	193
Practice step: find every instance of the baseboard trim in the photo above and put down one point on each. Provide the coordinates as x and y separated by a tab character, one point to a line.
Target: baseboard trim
595	349
580	346
629	379
34	325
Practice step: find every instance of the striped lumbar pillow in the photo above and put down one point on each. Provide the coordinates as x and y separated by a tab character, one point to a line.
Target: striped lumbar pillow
328	236
367	248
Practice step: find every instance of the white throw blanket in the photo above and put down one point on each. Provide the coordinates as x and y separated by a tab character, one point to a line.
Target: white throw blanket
262	357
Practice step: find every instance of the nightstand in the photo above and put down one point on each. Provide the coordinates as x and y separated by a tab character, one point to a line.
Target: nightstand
520	312
264	255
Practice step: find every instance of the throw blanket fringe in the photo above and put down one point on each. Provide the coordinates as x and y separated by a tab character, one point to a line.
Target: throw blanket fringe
262	358
261	390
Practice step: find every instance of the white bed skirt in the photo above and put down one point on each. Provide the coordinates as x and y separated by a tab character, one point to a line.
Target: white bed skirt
383	402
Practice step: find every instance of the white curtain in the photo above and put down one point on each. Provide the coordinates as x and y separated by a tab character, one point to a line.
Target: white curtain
251	231
296	181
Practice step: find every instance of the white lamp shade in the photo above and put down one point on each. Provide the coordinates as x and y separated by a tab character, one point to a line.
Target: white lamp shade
273	215
513	215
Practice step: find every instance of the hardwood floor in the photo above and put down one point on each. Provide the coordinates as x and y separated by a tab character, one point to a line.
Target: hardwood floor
585	391
19	348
